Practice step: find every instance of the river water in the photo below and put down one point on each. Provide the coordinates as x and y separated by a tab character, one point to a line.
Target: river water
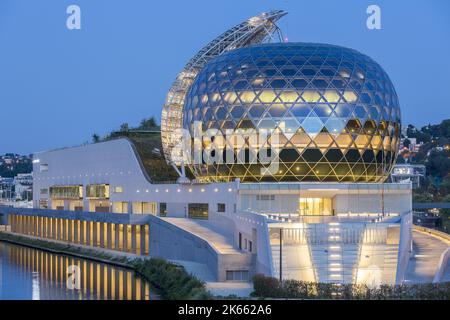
30	274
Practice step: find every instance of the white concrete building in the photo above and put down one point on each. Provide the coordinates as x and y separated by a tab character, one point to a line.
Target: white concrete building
328	116
330	231
23	184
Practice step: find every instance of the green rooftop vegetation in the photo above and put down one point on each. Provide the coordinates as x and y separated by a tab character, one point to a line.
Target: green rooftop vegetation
146	139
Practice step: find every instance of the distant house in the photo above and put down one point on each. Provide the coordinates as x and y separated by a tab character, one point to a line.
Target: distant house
414	173
23	186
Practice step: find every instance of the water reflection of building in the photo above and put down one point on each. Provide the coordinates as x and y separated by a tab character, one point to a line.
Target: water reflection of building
47	272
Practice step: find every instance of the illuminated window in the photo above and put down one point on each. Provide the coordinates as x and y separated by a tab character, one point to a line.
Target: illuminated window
118	189
198	210
315	206
97	191
66	192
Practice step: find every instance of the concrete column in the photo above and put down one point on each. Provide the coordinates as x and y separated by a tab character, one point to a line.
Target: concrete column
63	229
33	225
117	237
102	234
88	233
58	229
142	240
27	227
109	235
36	226
82	232
75	231
25	224
41	227
95	233
19	223
43	231
69	233
49	227
125	237
133	239
30	226
54	228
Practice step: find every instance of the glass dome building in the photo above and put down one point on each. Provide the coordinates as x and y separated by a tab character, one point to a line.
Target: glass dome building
334	111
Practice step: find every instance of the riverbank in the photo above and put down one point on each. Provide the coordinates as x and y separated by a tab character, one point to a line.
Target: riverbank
171	281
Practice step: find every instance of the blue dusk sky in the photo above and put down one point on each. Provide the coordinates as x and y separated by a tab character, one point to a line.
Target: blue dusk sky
59	86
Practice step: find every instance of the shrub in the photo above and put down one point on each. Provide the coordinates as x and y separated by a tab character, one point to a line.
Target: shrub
268	287
173	281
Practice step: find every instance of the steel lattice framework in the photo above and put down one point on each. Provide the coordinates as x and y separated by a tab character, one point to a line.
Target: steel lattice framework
258	29
332	113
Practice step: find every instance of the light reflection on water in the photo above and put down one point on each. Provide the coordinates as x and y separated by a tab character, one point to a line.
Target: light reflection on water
27	273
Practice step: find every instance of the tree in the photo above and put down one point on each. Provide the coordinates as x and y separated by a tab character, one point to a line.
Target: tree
124	127
406	143
444	128
438	164
95	138
148	123
422	197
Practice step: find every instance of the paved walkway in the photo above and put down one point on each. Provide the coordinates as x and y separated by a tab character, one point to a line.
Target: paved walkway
427	250
446	276
202	229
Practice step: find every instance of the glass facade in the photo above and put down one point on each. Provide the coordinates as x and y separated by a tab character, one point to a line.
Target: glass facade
334	110
315	207
198	210
66	192
97	191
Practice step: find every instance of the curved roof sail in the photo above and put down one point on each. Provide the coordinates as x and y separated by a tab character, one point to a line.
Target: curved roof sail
258	29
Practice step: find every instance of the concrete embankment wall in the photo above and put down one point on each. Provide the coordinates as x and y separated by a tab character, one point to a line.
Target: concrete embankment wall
168	241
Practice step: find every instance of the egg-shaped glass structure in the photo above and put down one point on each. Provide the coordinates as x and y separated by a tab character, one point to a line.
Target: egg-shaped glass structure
334	113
